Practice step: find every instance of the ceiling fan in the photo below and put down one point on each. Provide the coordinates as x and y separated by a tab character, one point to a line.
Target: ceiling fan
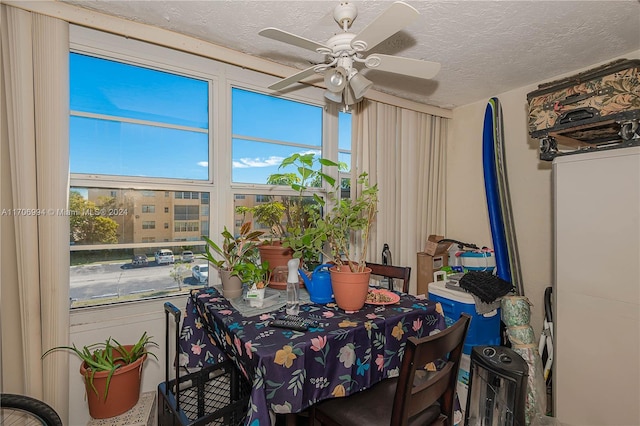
345	84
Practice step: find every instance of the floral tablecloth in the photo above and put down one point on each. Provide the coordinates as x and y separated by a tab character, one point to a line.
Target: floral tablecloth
291	370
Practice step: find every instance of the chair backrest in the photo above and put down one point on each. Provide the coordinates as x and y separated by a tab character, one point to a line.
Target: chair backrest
388	271
417	389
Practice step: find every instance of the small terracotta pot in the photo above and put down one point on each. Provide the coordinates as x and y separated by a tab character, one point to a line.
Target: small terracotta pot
350	288
277	256
124	389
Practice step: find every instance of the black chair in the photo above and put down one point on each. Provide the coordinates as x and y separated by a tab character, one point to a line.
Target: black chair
392	272
215	394
415	397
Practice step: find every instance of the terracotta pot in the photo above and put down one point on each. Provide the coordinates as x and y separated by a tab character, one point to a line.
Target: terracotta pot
350	288
277	256
231	285
124	389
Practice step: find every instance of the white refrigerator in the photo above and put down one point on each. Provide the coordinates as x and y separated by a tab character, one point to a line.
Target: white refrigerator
596	375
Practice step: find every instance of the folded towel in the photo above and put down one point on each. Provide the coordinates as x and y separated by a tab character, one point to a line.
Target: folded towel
485	308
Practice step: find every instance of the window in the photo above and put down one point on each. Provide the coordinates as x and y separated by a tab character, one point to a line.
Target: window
186	212
142	156
106	228
148	224
122	113
187	227
187	195
264	133
141	124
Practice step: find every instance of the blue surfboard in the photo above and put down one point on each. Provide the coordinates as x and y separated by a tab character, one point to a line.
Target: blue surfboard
496	219
505	198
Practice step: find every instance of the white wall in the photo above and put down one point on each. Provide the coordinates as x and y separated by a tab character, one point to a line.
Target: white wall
530	187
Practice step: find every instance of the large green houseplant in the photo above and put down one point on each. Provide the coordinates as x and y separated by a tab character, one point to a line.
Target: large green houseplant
112	373
235	251
299	212
349	221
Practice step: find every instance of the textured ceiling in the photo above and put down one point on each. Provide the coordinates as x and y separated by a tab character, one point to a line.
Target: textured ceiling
485	47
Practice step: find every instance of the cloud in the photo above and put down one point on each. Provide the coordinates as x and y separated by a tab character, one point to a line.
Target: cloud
245	163
203	163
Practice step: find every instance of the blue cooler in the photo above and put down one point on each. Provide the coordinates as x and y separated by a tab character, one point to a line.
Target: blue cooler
484	329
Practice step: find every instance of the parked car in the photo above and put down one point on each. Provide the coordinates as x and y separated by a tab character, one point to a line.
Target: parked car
200	273
164	256
187	256
139	260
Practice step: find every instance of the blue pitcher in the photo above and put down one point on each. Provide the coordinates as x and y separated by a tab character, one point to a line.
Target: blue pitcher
319	285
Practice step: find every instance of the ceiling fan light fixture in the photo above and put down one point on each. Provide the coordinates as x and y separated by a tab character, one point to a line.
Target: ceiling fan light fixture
349	97
359	84
333	96
336	80
345	49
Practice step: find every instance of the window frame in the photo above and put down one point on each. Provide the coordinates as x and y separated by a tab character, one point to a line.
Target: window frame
222	79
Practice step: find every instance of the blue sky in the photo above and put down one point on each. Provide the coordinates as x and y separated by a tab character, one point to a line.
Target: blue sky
100	146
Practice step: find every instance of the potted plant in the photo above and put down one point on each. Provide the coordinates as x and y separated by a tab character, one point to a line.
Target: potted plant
112	373
300	211
271	250
347	221
305	211
234	251
257	276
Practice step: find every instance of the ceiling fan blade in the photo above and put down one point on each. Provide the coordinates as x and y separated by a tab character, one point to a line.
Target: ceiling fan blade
405	66
392	20
285	82
285	37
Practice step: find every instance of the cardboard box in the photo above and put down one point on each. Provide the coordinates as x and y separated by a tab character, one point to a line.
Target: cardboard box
433	248
427	265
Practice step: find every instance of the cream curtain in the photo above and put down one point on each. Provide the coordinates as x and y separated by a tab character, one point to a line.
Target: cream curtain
403	151
35	230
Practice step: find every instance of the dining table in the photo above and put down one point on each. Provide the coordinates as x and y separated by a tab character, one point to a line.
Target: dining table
289	371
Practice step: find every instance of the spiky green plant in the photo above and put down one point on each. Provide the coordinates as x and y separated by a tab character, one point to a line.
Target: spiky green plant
109	356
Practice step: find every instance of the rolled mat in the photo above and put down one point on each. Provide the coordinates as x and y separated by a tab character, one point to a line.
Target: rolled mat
536	403
521	335
516	310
